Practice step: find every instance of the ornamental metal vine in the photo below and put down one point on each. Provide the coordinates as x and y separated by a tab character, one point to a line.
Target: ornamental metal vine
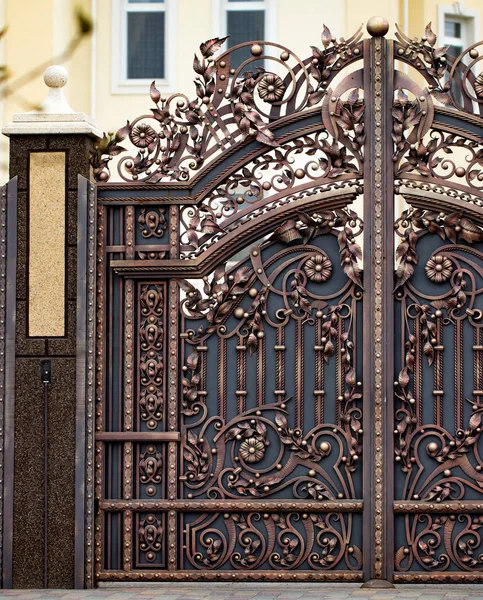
181	135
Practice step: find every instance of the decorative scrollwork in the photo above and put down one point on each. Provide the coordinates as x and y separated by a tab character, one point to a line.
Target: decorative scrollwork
180	135
150	469
431	158
152	222
433	62
453	81
223	465
439	306
435	543
280	541
452	227
275	172
151	535
151	366
327	61
466	77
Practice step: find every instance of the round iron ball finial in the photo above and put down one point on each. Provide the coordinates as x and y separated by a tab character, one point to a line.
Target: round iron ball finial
377	26
256	50
55	76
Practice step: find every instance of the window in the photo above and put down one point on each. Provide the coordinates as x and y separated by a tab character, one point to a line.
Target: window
458	28
142	36
244	21
455	35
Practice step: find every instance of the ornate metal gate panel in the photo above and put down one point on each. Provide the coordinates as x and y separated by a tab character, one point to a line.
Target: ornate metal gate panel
247	346
438	320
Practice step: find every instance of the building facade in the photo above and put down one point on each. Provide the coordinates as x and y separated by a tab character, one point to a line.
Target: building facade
134	42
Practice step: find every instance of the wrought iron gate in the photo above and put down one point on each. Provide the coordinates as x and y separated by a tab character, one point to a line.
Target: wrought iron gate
252	361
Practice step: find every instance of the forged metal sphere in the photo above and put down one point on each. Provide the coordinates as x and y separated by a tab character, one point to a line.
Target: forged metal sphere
377	26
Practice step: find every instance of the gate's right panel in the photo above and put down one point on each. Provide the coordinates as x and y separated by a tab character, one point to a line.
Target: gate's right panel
438	392
438	396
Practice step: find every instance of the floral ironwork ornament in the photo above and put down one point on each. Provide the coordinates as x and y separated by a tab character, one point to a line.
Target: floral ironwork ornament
439	268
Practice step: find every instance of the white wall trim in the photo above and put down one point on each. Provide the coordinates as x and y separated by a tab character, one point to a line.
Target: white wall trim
219	8
460	10
94	59
120	84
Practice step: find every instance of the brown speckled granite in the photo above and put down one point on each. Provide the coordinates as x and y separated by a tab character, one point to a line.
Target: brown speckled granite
22	251
28	547
62	473
26	346
20	147
71	275
72	218
28	514
78	149
65	346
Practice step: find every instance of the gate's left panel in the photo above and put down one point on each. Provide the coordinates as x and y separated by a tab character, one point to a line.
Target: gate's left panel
133	441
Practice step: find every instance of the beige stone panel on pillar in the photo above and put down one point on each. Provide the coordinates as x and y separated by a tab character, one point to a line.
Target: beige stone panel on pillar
46	301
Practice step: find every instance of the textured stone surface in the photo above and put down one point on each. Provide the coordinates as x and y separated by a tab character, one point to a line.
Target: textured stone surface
249	591
20	148
62	473
47	204
72	218
65	346
28	514
28	547
78	149
22	251
26	346
29	474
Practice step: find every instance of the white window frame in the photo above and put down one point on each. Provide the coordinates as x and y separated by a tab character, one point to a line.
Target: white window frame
469	20
120	83
221	7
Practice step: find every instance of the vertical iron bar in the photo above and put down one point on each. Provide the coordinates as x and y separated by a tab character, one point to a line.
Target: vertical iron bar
128	397
458	365
299	375
418	369
171	376
241	375
378	307
46	485
85	384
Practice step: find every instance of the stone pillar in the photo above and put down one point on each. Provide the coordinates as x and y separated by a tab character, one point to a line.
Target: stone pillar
48	150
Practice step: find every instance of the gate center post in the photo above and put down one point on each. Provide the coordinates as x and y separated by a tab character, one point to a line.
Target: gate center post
378	286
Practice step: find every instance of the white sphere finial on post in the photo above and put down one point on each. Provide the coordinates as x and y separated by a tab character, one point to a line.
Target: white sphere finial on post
55	78
54	115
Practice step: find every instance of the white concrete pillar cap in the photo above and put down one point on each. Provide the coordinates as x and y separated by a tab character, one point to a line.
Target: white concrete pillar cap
55	78
54	115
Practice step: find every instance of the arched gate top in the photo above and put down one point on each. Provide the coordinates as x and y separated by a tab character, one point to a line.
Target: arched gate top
181	139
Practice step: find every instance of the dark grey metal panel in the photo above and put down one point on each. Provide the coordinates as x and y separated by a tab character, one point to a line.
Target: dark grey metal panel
86	230
8	269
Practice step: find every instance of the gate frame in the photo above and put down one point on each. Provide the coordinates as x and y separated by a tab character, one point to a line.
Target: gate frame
379	180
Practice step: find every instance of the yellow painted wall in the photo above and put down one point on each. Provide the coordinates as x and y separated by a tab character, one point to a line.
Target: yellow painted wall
422	13
40	29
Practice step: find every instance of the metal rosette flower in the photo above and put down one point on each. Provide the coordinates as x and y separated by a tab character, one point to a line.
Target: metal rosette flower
279	87
318	268
146	142
467	75
154	141
252	450
439	268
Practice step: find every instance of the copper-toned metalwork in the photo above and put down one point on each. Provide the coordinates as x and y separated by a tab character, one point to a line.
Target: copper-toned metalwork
259	345
182	136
